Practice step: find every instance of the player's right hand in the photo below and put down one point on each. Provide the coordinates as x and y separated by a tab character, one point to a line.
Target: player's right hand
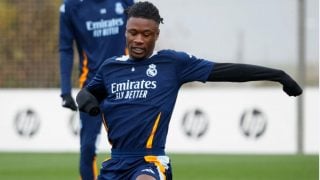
87	102
68	102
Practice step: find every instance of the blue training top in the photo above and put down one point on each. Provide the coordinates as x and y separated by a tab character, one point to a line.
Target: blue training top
141	97
98	28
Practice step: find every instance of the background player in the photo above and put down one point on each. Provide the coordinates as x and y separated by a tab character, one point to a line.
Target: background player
138	93
97	27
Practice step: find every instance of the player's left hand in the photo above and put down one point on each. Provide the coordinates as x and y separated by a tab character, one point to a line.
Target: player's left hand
291	87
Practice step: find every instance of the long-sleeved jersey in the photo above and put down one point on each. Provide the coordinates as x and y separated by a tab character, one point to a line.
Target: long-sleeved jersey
138	96
141	96
98	28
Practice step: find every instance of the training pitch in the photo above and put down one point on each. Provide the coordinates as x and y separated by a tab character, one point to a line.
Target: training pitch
63	166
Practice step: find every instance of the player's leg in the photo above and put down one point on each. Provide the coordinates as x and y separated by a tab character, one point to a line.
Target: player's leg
90	129
118	168
154	168
155	175
145	177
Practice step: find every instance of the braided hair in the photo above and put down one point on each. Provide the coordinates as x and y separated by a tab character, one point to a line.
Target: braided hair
144	10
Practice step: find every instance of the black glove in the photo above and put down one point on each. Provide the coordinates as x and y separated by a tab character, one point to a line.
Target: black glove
291	87
68	102
87	102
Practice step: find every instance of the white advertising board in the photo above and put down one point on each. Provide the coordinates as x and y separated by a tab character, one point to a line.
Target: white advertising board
240	121
34	120
210	120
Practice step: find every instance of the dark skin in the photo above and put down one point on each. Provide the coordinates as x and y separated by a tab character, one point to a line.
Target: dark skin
145	177
141	36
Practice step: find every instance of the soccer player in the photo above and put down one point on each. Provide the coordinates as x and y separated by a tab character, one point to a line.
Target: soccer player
97	27
137	94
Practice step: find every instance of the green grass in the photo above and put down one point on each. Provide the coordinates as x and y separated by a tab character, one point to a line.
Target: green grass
64	166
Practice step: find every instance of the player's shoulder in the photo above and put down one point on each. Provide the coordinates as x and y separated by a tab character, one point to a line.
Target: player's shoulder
115	59
122	58
173	54
69	4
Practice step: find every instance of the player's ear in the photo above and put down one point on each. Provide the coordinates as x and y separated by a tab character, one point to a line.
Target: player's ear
157	34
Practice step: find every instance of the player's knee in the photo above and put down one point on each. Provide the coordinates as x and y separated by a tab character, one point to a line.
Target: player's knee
145	177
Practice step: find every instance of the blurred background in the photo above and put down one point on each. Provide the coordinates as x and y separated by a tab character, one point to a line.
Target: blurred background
264	32
248	119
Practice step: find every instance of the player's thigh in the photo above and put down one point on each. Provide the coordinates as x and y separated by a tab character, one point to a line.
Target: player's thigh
146	171
145	177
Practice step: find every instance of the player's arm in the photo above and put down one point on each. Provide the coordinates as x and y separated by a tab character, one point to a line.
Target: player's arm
66	58
231	72
87	102
90	97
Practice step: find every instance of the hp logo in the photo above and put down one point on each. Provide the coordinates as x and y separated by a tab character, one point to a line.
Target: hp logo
253	123
195	123
27	123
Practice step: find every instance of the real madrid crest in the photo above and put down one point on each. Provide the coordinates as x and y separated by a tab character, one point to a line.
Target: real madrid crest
152	71
119	8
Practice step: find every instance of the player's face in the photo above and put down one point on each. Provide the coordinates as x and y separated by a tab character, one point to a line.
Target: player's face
141	36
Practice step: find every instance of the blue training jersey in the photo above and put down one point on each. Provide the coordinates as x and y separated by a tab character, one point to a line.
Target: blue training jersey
141	97
98	28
